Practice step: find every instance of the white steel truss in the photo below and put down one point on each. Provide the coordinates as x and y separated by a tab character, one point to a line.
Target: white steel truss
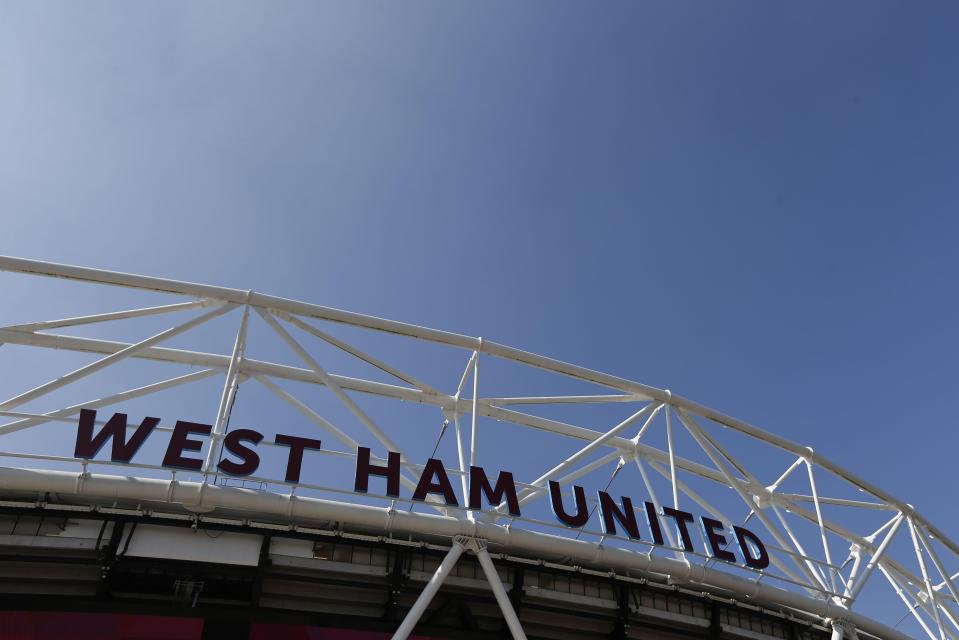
694	461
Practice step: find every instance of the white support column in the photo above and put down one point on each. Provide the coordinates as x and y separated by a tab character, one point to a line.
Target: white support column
932	607
672	456
873	561
540	400
646	425
455	414
466	373
716	456
947	580
226	398
786	473
464	482
855	550
426	596
476	372
838	630
512	621
925	577
668	530
911	608
813	567
822	526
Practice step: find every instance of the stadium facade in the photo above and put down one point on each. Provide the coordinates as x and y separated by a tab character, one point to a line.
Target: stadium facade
360	523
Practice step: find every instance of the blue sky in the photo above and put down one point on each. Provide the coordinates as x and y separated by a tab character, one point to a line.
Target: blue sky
753	204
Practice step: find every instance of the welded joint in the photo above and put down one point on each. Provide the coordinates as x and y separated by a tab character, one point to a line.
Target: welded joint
291	502
199	497
389	517
693	574
599	550
469	543
838	629
763	498
81	479
171	487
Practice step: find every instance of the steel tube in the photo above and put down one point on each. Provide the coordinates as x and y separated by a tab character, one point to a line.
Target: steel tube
492	576
98	403
104	362
426	596
837	631
473	416
230	386
106	317
353	351
874	561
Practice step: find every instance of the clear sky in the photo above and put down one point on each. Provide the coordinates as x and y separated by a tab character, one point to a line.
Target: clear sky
753	204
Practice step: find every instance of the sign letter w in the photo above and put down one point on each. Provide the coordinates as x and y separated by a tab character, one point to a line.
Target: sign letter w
115	430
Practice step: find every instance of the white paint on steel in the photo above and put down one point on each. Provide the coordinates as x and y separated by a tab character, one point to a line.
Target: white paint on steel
229	394
500	594
426	595
934	601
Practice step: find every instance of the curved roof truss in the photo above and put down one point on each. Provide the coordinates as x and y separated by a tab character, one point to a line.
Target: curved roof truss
675	451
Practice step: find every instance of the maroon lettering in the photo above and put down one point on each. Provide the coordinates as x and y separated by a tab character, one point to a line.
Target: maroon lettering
297	445
611	513
715	539
364	470
434	469
653	519
479	485
681	518
180	442
243	460
115	430
233	443
556	501
747	540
